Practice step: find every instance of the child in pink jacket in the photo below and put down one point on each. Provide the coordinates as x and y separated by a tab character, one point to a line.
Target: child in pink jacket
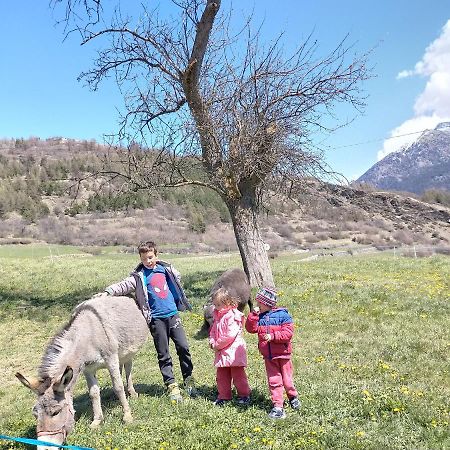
225	338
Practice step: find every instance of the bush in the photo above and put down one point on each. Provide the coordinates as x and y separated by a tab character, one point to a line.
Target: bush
436	196
196	221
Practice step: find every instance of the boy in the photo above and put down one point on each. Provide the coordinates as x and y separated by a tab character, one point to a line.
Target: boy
275	329
160	296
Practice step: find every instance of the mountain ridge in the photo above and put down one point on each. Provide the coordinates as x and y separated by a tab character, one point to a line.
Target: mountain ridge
417	167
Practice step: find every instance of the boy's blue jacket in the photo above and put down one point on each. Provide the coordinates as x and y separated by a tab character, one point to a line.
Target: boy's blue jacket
136	283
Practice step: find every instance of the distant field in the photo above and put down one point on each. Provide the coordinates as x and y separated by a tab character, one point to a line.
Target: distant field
371	354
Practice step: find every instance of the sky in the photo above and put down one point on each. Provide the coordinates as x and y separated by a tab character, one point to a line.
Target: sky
409	91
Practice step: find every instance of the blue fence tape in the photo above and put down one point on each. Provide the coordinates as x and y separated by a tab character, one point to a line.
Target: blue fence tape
43	443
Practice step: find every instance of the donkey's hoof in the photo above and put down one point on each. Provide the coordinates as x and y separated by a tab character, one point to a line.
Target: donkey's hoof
95	423
127	418
133	394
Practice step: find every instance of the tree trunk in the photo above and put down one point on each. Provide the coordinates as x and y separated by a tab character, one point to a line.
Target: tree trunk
251	246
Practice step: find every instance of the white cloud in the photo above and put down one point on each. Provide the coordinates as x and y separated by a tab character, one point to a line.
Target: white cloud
433	104
408	132
405	74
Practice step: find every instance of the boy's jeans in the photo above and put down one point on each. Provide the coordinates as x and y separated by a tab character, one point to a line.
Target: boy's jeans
226	375
279	376
162	330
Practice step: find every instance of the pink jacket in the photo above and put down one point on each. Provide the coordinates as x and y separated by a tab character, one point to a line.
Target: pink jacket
225	337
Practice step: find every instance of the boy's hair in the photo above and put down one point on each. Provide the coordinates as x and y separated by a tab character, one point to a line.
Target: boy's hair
225	298
145	247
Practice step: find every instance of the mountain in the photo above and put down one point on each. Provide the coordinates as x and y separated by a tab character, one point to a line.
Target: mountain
420	166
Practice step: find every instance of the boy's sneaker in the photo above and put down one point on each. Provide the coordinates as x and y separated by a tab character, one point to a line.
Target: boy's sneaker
220	402
295	403
189	387
243	401
174	393
277	413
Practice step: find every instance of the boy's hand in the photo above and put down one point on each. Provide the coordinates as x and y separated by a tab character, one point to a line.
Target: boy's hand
267	337
256	309
100	294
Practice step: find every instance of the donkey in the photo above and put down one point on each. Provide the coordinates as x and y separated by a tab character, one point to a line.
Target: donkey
103	332
235	281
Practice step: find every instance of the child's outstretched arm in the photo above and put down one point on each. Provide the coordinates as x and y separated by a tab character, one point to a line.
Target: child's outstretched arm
251	324
123	287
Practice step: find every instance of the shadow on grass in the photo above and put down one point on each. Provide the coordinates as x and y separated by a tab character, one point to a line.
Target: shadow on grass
33	307
258	399
198	285
83	406
37	307
202	333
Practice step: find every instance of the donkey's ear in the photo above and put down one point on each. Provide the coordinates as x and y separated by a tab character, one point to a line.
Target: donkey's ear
66	378
31	383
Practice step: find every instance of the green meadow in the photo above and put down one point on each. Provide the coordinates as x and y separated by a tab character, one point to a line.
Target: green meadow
371	356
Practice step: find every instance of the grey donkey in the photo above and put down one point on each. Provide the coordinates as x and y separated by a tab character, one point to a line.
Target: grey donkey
235	281
102	332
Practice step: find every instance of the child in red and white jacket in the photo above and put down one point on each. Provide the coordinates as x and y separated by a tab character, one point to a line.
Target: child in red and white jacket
225	338
275	329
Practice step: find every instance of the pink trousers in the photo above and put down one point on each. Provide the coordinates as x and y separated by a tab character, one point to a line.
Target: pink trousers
279	376
227	375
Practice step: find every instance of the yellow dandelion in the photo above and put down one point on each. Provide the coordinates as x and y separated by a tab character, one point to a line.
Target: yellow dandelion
404	390
234	446
247	439
257	429
360	434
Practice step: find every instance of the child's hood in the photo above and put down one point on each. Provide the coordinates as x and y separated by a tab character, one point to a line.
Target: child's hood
238	315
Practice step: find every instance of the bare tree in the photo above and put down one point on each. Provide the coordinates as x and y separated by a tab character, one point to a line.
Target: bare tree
217	110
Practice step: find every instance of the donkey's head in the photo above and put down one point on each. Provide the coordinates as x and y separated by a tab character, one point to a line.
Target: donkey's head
54	407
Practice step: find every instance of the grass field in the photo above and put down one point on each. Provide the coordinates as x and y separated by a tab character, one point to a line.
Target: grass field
371	355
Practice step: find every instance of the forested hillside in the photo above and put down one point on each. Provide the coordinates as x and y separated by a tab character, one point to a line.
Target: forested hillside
50	191
57	177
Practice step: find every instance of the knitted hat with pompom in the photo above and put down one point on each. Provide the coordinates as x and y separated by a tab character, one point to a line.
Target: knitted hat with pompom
267	296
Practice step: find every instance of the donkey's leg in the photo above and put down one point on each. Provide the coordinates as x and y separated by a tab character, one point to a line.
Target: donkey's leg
114	371
129	380
94	393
